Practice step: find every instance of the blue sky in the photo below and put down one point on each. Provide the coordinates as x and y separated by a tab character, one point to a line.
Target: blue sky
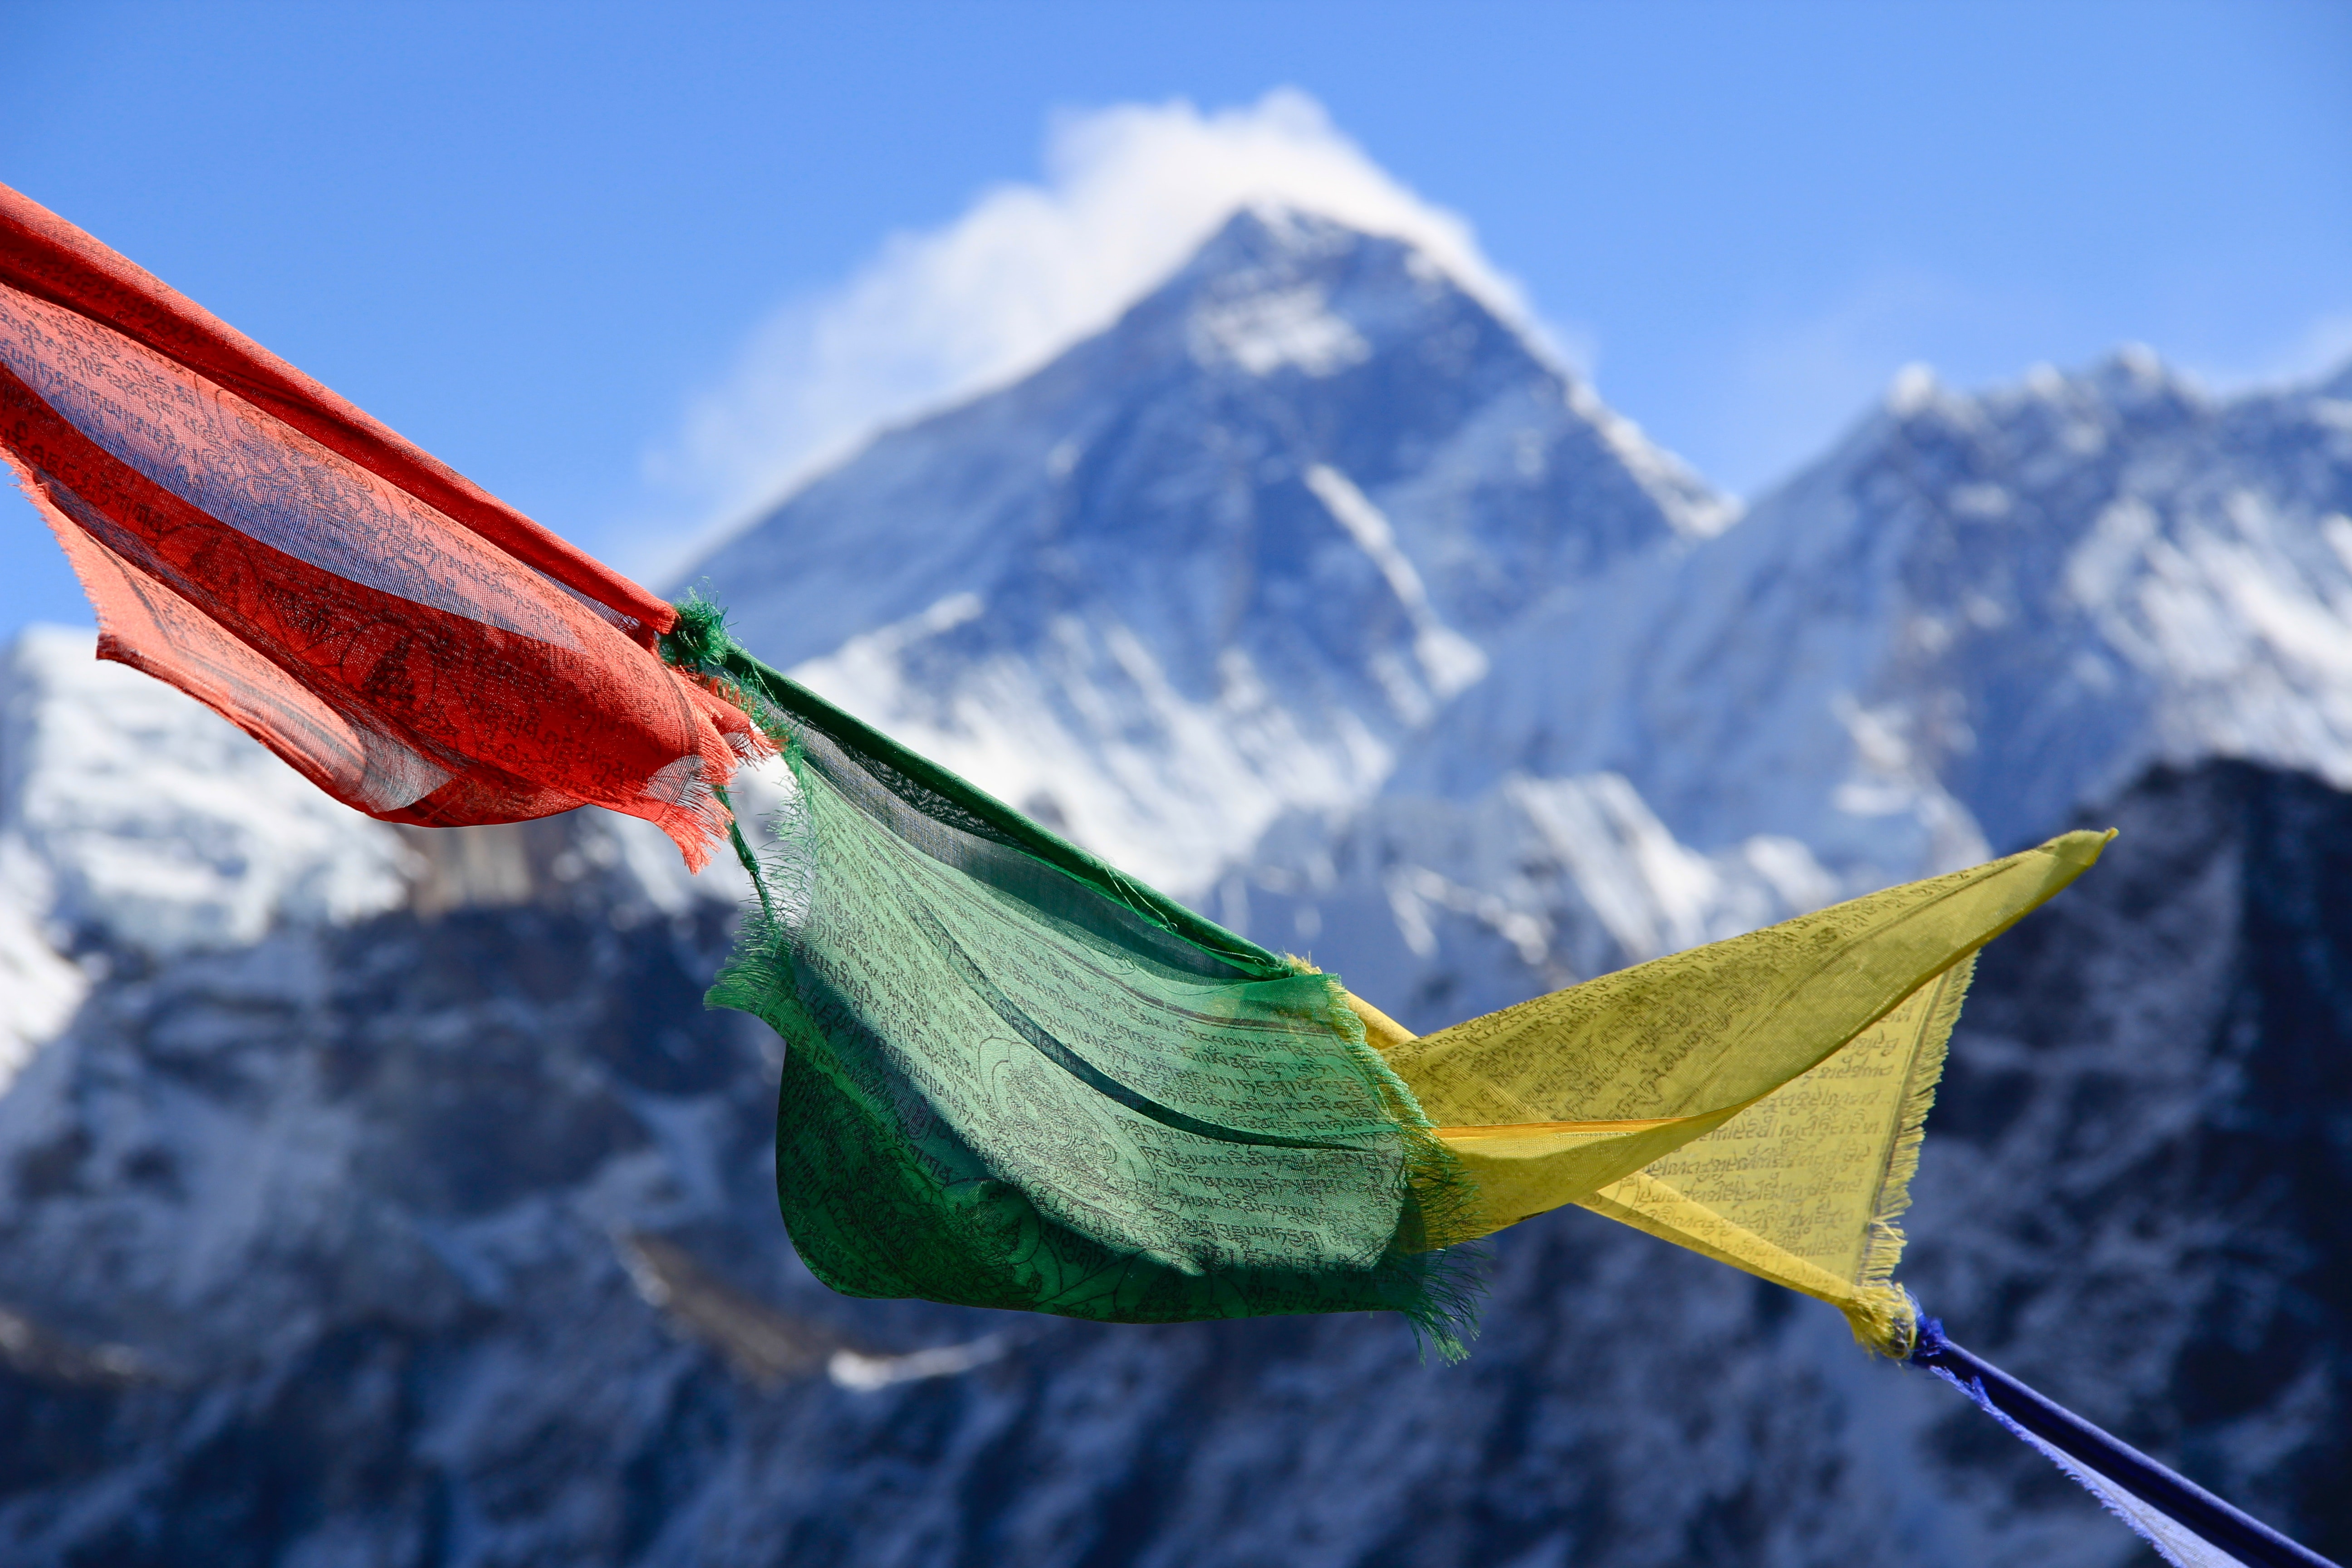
626	266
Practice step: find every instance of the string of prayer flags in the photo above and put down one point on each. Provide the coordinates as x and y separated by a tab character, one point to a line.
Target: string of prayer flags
1016	1077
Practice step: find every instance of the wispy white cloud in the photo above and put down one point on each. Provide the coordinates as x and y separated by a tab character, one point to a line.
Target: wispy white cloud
1026	270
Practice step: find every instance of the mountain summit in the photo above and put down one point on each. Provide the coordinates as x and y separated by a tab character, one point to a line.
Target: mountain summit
1219	560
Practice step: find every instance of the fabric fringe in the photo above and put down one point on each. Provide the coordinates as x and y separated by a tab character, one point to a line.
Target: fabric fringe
691	808
698	647
1449	1292
760	967
1883	1316
1440	1197
694	649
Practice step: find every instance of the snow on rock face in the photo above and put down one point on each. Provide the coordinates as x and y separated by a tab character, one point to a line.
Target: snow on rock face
38	990
137	825
129	810
1436	910
1976	614
1216	562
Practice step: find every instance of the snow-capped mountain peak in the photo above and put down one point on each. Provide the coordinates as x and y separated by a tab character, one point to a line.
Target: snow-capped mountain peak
1221	559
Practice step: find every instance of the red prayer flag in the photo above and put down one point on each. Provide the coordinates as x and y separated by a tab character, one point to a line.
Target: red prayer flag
415	647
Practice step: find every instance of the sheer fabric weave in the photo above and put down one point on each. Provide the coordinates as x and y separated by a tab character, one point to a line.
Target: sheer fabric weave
415	648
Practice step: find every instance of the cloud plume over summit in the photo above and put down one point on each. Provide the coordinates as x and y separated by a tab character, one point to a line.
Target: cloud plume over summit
1025	271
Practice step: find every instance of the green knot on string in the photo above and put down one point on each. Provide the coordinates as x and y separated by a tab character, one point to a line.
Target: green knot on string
701	645
700	641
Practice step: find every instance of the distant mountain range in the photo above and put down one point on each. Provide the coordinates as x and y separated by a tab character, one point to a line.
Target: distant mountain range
1976	615
383	1195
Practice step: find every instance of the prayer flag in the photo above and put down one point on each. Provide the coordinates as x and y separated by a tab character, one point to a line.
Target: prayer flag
415	648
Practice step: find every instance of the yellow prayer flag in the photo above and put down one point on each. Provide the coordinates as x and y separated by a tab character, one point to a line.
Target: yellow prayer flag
1759	1101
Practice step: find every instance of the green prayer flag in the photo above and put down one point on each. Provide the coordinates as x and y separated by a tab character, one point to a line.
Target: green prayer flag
1015	1079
